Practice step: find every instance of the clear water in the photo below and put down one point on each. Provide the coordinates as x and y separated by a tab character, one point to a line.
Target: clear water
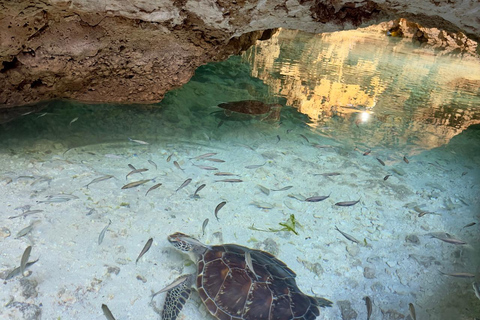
349	99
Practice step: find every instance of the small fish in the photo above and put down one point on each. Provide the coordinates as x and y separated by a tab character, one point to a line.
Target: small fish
229	180
299	197
264	189
347	203
214	160
465	275
198	190
136	171
349	237
108	314
476	288
169	157
249	262
219	206
204	225
102	234
184	184
411	308
422	213
145	249
255	166
262	205
153	164
289	130
26	230
135	184
225	174
368	303
405	159
24	260
306	139
469	225
381	162
205	167
99	179
131	166
153	188
329	174
220	123
316	198
15	272
138	141
386	177
278	138
59	198
175	163
283	189
366	153
73	120
42	115
451	240
26	213
206	155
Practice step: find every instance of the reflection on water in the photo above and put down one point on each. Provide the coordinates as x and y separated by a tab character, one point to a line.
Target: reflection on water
355	126
372	88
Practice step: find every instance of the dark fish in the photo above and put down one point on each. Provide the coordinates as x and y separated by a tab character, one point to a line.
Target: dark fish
225	174
102	234
169	157
131	166
15	272
411	308
381	162
347	203
405	159
205	167
229	180
108	314
219	206
278	138
306	139
289	130
255	166
366	153
316	198
153	164
284	188
368	303
329	174
386	177
469	225
198	190
175	163
24	260
153	188
99	179
136	171
204	225
184	184
145	249
349	237
214	160
26	213
135	184
465	275
220	123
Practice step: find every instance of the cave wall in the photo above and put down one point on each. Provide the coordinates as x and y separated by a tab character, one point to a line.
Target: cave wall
134	51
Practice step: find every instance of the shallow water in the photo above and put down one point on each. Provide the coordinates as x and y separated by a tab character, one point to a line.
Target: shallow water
351	101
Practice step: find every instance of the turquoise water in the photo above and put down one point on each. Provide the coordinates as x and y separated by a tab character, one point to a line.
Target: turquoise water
351	101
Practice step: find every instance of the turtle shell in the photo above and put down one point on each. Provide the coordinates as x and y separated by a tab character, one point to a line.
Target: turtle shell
231	290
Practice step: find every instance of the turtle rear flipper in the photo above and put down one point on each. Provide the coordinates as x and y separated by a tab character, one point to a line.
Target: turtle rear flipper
177	295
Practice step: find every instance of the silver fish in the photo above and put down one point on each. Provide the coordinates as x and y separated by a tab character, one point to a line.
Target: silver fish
264	189
184	184
169	157
206	155
145	249
214	160
349	237
15	272
153	188
138	141
136	171
153	164
249	262
103	178
283	189
448	239
254	166
225	174
465	275
108	314
262	205
102	234
204	225
24	260
198	190
73	120
368	303
347	203
476	288
205	167
219	206
26	230
26	213
411	308
316	198
175	163
229	180
58	198
135	184
299	197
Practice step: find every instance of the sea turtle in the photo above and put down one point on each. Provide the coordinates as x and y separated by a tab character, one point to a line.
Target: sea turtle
239	283
248	109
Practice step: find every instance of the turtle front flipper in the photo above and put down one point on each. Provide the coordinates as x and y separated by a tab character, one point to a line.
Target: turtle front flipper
178	293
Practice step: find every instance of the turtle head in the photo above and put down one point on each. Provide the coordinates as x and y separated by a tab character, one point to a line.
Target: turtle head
186	243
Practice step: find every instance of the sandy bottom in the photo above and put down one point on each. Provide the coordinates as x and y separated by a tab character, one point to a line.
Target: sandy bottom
396	262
